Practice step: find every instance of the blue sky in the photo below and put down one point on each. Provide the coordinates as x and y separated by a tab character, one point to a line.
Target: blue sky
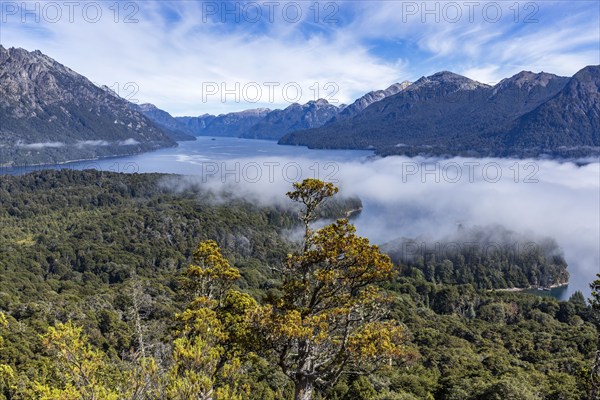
193	57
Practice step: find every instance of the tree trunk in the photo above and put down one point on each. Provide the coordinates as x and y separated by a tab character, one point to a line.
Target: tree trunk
304	389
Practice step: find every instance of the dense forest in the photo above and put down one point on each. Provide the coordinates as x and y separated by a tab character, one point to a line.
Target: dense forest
487	257
115	286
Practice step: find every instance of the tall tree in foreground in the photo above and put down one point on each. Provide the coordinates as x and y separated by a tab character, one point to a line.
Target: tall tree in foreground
331	316
210	348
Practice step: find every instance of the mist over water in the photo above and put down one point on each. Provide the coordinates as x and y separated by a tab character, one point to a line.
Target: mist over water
402	197
561	201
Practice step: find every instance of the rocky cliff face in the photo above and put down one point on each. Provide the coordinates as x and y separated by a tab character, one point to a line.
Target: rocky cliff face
49	113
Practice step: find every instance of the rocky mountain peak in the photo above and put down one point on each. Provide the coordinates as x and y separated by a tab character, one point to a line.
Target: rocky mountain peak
585	84
147	107
398	87
258	112
321	102
589	75
527	79
370	98
318	105
33	62
451	81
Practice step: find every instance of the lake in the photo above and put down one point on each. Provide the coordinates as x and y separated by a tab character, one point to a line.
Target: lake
402	197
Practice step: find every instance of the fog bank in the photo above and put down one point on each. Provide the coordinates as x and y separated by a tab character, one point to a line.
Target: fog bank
411	197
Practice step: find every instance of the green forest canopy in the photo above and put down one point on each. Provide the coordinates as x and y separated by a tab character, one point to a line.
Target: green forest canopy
91	262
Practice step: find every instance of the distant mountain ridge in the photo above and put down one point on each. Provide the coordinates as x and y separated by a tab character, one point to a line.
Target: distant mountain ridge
372	97
166	121
263	123
49	114
232	124
295	117
528	114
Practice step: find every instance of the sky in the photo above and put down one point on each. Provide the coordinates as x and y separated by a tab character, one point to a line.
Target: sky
197	57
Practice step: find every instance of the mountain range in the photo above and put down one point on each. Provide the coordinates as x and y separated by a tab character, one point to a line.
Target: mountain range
50	114
528	114
295	117
263	123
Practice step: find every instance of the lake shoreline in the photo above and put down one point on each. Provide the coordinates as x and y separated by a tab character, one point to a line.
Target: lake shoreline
517	289
97	158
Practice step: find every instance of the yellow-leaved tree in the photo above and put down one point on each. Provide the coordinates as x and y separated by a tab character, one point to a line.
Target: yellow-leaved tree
6	372
213	335
331	317
83	371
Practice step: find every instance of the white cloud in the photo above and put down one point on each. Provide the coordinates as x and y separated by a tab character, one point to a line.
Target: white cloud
128	142
91	143
486	74
169	58
555	37
40	145
170	62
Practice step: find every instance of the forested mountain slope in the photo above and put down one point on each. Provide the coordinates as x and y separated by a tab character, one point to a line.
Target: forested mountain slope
527	114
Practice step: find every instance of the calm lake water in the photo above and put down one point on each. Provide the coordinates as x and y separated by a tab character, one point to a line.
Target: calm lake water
198	157
402	197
